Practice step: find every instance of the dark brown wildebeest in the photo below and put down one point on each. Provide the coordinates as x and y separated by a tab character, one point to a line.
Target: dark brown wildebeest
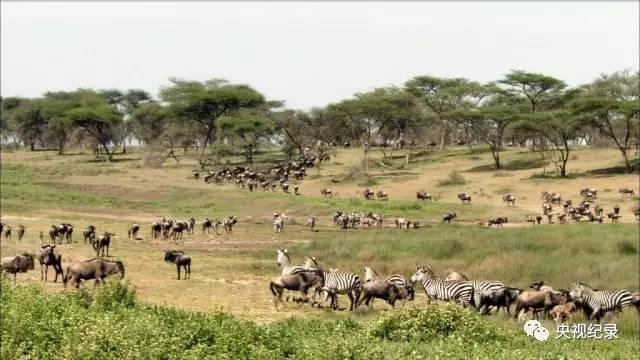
48	257
466	199
181	260
133	231
626	192
89	233
7	232
300	281
326	193
156	229
96	268
296	189
448	217
380	290
311	223
382	195
498	221
421	195
21	230
20	263
509	199
102	242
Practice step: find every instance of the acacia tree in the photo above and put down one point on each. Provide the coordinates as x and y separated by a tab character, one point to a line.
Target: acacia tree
374	112
611	106
29	122
533	88
204	102
558	130
489	124
249	128
443	95
96	117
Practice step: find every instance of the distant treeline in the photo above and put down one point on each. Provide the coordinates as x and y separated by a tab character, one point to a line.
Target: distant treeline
219	118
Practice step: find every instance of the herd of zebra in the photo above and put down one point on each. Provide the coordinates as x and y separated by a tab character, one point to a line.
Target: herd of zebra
483	295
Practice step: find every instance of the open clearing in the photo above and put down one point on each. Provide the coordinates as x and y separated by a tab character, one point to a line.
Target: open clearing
231	271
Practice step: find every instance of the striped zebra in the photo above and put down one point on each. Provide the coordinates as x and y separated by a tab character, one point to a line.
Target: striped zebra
337	283
601	301
439	289
478	285
371	275
284	262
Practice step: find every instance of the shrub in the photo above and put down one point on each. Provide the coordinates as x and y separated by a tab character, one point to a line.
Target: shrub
454	178
627	247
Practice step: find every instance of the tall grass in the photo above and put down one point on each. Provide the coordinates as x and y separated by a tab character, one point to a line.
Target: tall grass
107	324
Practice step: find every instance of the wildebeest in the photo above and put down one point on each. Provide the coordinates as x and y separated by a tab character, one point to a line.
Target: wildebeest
537	301
533	218
498	221
208	224
7	232
21	230
102	242
133	231
301	281
156	229
563	312
48	257
366	193
382	195
296	189
326	192
95	268
89	233
421	195
380	290
466	199
448	217
20	263
502	297
626	192
509	199
181	260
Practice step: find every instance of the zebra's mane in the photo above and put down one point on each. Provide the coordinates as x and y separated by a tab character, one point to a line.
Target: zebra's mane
457	274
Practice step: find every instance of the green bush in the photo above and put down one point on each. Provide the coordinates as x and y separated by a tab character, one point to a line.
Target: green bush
454	178
627	247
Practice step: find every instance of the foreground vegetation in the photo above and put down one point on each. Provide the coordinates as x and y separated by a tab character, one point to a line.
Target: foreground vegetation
112	324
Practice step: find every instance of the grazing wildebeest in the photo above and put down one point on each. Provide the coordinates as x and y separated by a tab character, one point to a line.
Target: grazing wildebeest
178	228
20	263
547	208
509	199
626	192
326	193
421	195
180	259
367	193
103	242
466	199
382	195
89	233
296	189
96	268
498	221
48	257
227	224
300	281
21	230
448	217
133	231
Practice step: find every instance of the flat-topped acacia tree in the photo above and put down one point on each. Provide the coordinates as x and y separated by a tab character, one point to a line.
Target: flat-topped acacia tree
205	102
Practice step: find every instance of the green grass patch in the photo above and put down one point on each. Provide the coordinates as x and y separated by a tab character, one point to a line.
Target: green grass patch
453	179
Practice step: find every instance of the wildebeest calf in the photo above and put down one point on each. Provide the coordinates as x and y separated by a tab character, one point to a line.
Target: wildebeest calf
181	260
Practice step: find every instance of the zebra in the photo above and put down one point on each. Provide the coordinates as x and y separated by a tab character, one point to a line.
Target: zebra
191	225
227	224
439	289
284	262
337	283
278	223
478	285
371	275
601	301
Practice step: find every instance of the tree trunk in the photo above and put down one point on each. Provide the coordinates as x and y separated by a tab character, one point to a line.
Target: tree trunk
627	163
205	143
33	146
496	158
443	135
106	151
366	160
